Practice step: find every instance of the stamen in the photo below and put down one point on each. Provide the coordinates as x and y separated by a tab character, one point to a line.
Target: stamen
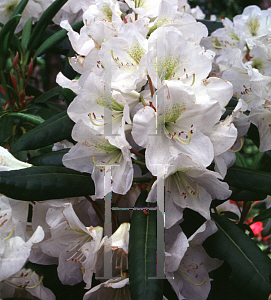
177	138
194	78
242	143
196	284
101	168
83	270
250	100
115	60
32	287
186	185
6	238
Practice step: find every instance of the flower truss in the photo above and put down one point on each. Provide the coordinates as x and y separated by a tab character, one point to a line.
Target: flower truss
148	112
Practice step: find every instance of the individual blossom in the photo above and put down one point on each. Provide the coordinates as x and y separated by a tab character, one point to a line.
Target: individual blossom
67	241
188	185
181	125
100	155
189	275
26	279
146	8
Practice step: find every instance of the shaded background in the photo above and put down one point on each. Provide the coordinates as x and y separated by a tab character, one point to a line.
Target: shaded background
227	8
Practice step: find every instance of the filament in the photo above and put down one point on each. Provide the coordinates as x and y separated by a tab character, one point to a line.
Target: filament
242	143
196	284
186	185
194	78
250	100
32	287
6	238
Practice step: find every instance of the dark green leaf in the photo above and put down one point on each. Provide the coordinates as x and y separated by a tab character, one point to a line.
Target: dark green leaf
250	180
56	39
19	8
211	25
50	131
250	267
6	125
43	22
26	33
48	95
230	215
35	120
69	95
248	196
263	215
253	134
53	158
45	183
142	254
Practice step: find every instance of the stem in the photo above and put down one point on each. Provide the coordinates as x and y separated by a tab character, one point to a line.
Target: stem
139	162
96	208
150	184
245	211
4	84
137	153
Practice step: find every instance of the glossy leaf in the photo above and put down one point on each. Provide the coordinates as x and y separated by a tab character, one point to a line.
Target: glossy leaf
265	214
53	158
19	8
6	125
45	183
53	130
35	120
26	34
43	22
142	254
251	268
69	95
48	95
250	180
248	196
56	38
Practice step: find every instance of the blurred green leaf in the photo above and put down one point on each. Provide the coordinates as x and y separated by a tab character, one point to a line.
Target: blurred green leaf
45	183
211	25
26	33
142	254
248	196
251	268
251	180
56	39
35	120
43	22
69	95
263	215
6	125
53	130
48	95
19	8
53	158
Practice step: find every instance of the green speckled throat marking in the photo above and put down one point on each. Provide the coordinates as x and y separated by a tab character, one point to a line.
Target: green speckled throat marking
168	67
107	12
257	63
136	52
139	3
253	25
105	146
173	113
110	103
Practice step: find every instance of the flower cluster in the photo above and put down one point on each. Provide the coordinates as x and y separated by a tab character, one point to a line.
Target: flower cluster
242	50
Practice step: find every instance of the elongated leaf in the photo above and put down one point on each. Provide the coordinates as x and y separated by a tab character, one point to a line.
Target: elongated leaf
69	95
48	95
35	120
26	33
142	254
53	130
56	39
248	196
53	158
44	183
250	180
43	22
263	215
251	268
19	8
211	25
6	125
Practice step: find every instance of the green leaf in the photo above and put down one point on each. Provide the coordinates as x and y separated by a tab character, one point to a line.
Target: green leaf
43	22
6	34
56	39
6	125
26	33
142	254
19	8
250	267
69	95
250	180
211	25
53	130
45	183
248	196
35	120
53	158
263	215
48	95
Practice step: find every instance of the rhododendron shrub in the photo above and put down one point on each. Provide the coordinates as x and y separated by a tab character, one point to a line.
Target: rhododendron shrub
137	186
